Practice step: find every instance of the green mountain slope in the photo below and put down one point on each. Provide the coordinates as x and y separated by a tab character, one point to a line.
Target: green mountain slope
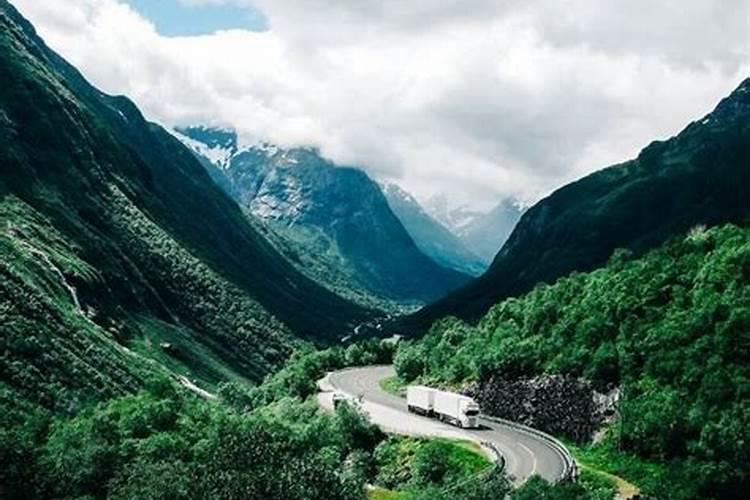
701	176
114	239
670	329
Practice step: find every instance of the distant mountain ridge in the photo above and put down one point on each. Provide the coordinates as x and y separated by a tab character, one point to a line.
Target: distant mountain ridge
455	218
336	219
431	236
487	233
699	177
482	233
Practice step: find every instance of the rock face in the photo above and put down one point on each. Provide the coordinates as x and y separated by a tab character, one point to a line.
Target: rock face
559	405
336	218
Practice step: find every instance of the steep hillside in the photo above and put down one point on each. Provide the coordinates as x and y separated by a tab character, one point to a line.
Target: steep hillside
336	217
431	237
668	329
701	176
117	247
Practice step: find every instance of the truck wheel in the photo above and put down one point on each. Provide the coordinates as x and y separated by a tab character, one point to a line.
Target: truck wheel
460	424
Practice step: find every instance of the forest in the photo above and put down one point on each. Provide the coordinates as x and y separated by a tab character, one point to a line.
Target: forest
271	441
670	329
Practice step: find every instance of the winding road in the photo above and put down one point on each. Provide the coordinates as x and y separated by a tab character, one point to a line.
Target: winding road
525	452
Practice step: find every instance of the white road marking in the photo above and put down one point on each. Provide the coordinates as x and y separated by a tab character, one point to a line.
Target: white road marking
533	456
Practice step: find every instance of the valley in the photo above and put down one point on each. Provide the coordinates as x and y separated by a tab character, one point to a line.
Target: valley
191	310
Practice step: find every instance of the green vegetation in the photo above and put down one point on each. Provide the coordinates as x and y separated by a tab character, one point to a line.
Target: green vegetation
119	258
269	441
265	442
161	443
669	328
411	464
377	493
604	457
587	488
305	367
394	385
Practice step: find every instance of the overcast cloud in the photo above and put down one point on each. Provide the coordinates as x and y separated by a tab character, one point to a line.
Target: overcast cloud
478	100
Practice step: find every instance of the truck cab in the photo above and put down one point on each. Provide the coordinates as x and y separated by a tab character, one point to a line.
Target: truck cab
469	414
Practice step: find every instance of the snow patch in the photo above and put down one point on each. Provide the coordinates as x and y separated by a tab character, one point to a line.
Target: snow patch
219	156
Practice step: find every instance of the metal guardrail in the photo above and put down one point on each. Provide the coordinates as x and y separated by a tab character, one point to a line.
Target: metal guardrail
500	458
570	468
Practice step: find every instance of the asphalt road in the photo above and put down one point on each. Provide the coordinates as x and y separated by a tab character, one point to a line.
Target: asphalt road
525	454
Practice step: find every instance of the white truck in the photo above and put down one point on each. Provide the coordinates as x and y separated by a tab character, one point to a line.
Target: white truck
450	407
420	399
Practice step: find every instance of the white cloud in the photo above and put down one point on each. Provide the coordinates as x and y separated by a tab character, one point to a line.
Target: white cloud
477	101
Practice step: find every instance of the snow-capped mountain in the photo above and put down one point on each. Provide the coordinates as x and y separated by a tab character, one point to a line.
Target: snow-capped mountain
218	145
454	218
335	219
483	233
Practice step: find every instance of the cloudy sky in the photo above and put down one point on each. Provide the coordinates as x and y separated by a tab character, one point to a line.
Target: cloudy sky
478	100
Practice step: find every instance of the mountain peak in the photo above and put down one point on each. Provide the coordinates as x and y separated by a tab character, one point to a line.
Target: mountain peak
734	107
744	87
216	144
211	136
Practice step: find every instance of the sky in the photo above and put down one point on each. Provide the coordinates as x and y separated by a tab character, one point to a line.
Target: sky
186	18
477	100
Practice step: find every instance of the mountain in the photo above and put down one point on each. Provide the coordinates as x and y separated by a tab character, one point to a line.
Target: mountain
482	233
699	177
336	220
485	234
454	218
120	256
431	237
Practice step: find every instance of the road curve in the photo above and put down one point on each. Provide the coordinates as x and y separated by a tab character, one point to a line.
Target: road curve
525	454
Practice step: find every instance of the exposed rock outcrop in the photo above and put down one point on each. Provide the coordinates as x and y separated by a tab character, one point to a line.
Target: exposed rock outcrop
559	405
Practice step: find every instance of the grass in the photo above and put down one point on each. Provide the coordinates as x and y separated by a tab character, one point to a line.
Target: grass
630	473
394	385
378	493
189	356
607	485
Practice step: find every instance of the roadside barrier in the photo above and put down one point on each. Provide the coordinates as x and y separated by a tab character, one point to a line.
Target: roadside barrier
570	468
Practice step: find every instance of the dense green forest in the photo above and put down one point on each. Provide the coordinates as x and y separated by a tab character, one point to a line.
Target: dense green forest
670	328
271	441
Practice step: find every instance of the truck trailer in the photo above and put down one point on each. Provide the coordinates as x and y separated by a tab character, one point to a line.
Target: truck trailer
420	399
450	407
